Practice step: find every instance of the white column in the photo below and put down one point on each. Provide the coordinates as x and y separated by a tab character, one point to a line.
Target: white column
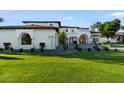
17	43
32	42
68	40
77	40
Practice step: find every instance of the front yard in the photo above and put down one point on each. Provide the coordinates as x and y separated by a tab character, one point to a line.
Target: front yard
118	44
115	44
78	67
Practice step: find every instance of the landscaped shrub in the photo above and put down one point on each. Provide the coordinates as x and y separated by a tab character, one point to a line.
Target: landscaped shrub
21	50
7	45
77	47
94	47
108	42
89	49
42	46
1	49
41	50
98	49
32	50
106	48
115	50
65	46
11	50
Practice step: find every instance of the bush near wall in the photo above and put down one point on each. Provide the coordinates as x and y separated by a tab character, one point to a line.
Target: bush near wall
21	50
1	49
77	47
32	50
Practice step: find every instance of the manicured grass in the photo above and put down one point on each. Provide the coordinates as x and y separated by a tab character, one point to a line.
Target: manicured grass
79	67
118	44
106	45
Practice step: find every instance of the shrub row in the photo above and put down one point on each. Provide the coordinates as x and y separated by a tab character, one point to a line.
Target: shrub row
10	50
77	47
96	48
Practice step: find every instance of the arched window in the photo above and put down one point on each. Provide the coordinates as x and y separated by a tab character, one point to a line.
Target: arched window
73	40
83	39
25	39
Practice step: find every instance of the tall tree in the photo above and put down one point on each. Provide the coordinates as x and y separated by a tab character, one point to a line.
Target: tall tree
116	23
62	38
110	27
106	29
97	25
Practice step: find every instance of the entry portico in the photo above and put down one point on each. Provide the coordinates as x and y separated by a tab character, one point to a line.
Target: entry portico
77	35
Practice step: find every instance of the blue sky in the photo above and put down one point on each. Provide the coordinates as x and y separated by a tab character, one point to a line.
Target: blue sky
83	18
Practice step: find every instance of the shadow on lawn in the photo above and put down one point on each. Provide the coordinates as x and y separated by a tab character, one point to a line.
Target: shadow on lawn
10	58
99	57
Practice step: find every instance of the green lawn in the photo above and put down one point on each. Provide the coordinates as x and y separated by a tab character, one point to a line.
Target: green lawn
118	44
79	67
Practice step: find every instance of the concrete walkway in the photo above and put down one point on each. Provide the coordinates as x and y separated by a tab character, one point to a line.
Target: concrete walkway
120	49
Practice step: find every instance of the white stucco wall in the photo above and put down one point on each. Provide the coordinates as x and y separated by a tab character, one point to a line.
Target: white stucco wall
8	36
87	32
38	35
47	36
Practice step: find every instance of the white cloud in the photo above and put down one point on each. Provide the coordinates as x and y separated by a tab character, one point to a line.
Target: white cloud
69	18
117	14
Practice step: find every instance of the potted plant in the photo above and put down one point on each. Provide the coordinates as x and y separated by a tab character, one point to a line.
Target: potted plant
7	45
42	46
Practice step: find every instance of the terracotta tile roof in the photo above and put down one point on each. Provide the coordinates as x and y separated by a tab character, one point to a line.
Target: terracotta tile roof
28	27
74	27
70	27
43	22
84	28
120	33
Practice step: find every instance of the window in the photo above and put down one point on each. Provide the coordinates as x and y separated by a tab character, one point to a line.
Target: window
51	24
72	30
66	30
25	39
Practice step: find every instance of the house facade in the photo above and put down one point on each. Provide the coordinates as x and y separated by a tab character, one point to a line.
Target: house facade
77	35
32	33
96	36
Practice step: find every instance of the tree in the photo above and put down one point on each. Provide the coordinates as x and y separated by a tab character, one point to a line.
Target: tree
97	25
116	23
122	27
62	38
110	27
106	29
1	19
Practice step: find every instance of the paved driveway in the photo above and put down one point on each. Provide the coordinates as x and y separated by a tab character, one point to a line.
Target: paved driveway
119	48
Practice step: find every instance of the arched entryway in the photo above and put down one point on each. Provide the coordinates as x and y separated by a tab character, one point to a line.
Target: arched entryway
83	39
25	39
73	40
